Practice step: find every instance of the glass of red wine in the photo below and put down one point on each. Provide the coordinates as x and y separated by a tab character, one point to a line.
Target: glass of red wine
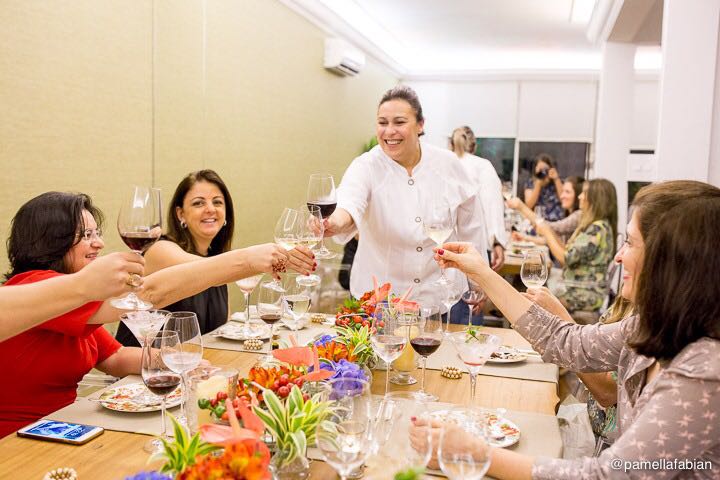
428	340
473	296
139	225
321	193
158	377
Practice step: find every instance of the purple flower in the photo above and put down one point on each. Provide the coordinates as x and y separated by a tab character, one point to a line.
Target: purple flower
149	476
324	340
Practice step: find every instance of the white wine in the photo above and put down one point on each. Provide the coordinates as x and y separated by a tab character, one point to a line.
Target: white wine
288	243
437	234
309	242
299	304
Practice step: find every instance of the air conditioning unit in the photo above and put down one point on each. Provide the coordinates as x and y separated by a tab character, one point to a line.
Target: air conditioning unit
342	58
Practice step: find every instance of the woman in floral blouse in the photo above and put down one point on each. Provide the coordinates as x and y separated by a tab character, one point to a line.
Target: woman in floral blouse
666	356
589	251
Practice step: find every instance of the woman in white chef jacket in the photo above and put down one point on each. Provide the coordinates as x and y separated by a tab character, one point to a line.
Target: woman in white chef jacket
384	195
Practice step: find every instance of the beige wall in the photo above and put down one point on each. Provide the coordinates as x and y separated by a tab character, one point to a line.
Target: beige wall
98	95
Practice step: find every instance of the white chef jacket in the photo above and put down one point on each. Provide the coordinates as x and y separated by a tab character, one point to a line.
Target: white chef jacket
483	175
387	206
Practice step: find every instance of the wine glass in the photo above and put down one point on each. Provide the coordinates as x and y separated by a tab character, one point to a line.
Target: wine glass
534	270
426	343
139	225
390	432
459	455
507	190
474	295
296	303
144	323
406	363
474	348
286	235
386	338
159	378
247	285
186	355
270	309
451	295
344	438
321	193
310	232
438	225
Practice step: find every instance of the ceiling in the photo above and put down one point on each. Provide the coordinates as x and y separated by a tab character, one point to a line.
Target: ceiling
427	37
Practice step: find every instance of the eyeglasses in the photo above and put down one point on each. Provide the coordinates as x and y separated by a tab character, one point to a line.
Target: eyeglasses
89	234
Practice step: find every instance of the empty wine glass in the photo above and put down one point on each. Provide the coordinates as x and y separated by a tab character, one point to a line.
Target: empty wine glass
474	295
296	303
139	225
474	348
390	431
159	378
186	355
452	293
344	437
247	285
507	190
438	225
426	343
534	269
144	323
386	338
310	231
321	193
462	451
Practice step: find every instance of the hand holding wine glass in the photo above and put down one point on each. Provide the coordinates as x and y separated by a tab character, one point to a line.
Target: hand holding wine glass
534	270
462	451
321	194
139	225
158	377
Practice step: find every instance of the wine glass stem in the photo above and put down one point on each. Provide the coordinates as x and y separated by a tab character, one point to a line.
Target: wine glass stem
473	383
470	308
163	426
182	397
449	309
247	311
387	378
422	380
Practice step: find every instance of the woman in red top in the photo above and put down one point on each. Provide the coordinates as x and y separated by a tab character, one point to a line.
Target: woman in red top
56	234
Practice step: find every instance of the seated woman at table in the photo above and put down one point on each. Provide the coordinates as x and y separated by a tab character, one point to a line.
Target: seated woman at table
665	356
587	254
563	228
200	223
544	188
59	233
24	306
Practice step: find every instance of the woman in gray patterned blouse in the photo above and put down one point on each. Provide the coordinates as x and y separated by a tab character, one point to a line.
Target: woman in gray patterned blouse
666	356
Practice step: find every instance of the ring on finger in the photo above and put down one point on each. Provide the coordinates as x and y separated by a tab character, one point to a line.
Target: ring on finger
134	280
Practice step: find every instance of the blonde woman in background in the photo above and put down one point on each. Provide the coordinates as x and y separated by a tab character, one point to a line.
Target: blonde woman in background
483	174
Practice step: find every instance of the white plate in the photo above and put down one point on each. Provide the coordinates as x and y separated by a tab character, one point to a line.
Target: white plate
234	331
507	355
136	398
523	244
511	431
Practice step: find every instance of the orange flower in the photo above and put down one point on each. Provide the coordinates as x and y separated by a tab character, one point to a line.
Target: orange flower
245	460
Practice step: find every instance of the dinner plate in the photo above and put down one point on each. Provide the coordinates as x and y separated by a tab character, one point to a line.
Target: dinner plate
234	331
136	398
499	424
506	355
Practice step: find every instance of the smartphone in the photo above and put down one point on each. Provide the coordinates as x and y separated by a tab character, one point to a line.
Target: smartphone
55	431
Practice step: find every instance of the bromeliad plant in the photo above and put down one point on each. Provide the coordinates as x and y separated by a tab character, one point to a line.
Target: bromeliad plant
292	423
181	452
357	342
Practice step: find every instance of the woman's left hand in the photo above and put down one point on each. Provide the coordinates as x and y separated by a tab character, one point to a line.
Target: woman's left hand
515	203
457	439
302	260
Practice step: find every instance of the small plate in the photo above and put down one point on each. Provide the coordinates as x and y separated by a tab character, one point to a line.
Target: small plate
523	244
511	431
234	331
136	398
506	355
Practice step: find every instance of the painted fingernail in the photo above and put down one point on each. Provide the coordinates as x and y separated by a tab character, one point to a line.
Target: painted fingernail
441	251
314	264
413	418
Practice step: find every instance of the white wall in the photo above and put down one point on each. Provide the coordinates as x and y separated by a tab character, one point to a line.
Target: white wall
529	109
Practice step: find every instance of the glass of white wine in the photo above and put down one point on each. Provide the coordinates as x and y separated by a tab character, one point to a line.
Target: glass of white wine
438	225
296	303
309	232
285	235
534	268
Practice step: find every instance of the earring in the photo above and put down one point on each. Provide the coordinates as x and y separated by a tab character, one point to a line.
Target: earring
224	223
183	224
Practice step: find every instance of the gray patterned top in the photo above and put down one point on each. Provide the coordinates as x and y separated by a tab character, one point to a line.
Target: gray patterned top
676	417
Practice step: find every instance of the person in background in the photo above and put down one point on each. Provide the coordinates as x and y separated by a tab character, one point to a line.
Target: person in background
200	224
383	194
57	234
665	356
543	190
23	307
563	228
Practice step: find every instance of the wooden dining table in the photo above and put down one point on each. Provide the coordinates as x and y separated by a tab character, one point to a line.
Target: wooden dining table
116	455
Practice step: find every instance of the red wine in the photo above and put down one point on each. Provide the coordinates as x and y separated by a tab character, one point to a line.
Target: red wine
270	317
139	241
425	346
326	208
162	384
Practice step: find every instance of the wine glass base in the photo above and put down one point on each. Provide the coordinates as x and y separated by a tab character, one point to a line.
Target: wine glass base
308	280
425	397
403	379
127	303
442	281
327	255
274	285
153	446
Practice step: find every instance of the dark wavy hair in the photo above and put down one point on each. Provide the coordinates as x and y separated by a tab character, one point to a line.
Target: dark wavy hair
677	290
223	240
403	92
45	229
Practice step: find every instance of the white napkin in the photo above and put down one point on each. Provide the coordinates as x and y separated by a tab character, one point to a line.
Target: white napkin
240	316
